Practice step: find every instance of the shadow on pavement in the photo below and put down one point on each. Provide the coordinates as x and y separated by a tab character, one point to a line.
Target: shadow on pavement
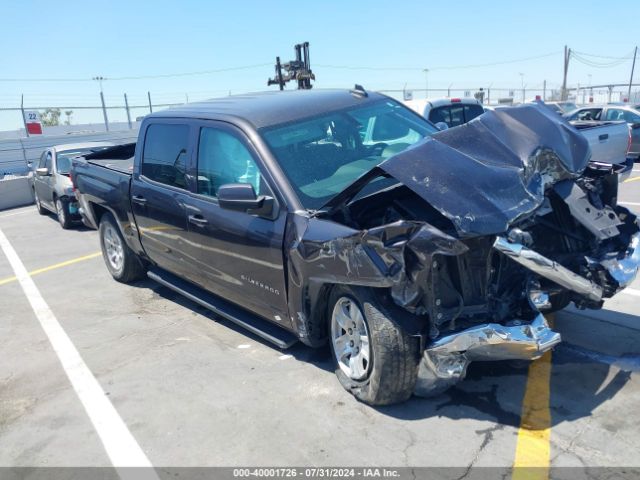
492	391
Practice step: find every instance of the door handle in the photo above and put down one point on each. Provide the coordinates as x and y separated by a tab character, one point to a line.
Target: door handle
604	136
198	220
139	199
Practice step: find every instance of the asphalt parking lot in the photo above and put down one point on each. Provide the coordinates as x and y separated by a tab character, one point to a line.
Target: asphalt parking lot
196	391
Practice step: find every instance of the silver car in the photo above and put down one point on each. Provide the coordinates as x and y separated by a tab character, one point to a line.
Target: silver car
52	187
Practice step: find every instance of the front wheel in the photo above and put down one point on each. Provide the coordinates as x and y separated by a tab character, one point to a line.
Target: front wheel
122	262
62	210
375	360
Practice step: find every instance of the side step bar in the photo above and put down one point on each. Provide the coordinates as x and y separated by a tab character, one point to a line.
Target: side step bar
262	328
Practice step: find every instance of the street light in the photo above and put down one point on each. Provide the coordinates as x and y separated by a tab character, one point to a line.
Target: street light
426	82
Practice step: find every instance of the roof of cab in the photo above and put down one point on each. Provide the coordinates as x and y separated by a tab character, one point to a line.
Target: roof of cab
265	109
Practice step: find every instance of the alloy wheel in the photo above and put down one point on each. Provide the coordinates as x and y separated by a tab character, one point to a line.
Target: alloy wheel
350	339
113	248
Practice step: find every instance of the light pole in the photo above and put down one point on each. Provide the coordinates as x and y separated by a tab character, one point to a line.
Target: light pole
590	89
426	82
449	90
522	84
99	79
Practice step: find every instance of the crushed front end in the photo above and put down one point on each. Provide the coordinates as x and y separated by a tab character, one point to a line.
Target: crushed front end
490	226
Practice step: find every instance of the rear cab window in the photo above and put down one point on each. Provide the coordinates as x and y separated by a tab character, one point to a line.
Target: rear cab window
164	157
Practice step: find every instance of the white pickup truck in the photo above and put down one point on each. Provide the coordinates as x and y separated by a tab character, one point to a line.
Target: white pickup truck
609	142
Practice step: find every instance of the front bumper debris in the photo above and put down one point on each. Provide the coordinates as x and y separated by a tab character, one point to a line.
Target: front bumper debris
444	363
624	270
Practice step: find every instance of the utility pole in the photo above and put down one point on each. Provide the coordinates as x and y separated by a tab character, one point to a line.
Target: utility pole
24	120
104	108
126	106
633	66
426	82
544	91
567	56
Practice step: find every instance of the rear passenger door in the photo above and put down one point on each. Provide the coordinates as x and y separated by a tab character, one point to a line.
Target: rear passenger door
159	194
238	254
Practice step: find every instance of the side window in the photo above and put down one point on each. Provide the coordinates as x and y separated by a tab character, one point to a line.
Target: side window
387	128
614	114
222	159
48	162
590	114
165	154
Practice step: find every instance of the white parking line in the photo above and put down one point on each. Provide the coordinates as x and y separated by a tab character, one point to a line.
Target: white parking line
20	212
635	204
631	291
121	447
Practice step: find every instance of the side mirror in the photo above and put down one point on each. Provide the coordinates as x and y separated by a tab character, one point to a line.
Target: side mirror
442	126
42	172
242	197
635	126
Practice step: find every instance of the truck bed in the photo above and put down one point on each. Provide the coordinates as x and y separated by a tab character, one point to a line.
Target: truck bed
102	181
609	140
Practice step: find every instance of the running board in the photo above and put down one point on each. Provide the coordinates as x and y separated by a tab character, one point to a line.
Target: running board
262	328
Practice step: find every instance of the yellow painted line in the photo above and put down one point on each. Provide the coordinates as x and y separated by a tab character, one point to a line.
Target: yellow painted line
634	179
533	450
53	267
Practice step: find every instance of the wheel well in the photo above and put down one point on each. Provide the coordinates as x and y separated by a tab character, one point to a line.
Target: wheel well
98	212
316	306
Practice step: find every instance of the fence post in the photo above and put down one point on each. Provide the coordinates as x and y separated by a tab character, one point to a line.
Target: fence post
24	120
126	106
104	112
150	106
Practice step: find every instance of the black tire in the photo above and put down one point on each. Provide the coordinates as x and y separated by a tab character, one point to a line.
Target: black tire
62	211
41	210
393	369
124	266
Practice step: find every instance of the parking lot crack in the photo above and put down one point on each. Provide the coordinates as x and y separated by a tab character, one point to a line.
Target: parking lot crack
488	437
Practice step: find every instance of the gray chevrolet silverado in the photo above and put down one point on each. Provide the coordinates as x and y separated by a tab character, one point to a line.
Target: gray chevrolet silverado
343	217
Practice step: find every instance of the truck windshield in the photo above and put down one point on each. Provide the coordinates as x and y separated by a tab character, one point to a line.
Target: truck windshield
63	158
323	155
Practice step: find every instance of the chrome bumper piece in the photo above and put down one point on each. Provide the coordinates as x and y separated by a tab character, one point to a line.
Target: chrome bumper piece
445	361
549	269
624	270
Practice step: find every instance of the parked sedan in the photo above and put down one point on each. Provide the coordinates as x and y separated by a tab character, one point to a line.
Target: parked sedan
627	112
52	187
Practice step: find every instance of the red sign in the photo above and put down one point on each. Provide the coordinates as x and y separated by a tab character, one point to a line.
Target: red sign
34	128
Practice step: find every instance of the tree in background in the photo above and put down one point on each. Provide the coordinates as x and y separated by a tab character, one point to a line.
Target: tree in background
50	117
68	113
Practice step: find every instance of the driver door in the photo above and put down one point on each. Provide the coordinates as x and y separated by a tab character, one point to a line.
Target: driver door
237	254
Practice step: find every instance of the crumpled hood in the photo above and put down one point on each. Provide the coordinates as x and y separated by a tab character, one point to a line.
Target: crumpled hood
490	172
486	174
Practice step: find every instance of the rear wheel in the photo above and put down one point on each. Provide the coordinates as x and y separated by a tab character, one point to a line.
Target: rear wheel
123	264
41	210
62	210
375	360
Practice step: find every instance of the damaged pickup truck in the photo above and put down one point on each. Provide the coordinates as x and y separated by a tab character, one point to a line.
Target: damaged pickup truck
342	216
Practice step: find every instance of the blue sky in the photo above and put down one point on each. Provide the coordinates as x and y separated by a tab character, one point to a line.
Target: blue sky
81	39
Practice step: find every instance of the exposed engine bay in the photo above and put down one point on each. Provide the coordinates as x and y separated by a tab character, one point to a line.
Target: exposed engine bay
486	227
